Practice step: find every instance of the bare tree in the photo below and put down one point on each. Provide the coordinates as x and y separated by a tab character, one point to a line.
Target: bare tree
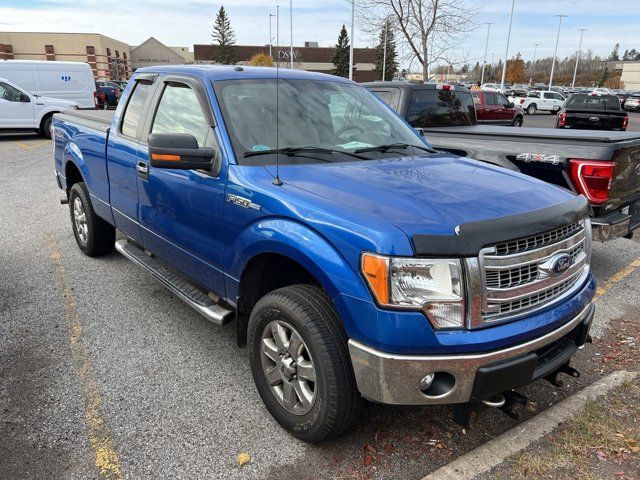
429	28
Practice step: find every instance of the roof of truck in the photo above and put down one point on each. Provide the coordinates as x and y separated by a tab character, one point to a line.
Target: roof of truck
236	72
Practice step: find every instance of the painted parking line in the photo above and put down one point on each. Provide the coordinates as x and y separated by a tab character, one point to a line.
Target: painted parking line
618	277
27	146
106	458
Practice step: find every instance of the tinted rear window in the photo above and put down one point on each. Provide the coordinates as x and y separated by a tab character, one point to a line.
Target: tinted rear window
593	102
440	108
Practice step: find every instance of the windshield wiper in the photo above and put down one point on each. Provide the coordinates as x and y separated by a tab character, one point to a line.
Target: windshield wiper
292	151
389	146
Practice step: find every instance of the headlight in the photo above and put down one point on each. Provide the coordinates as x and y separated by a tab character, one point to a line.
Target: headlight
433	286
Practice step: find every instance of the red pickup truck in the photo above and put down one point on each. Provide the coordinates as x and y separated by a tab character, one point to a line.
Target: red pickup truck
495	109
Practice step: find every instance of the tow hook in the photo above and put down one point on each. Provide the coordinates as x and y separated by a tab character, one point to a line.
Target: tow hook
552	378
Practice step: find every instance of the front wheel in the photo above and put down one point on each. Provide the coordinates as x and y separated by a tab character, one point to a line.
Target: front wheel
300	363
45	127
93	235
531	110
517	122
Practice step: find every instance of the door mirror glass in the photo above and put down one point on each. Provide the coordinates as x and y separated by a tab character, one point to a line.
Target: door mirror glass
510	105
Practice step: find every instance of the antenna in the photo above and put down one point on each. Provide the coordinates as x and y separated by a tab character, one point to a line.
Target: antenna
277	181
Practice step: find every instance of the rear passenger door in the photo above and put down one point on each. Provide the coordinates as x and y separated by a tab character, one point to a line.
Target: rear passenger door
180	211
122	156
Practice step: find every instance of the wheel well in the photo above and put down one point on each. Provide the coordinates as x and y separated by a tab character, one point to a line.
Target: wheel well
267	272
44	117
72	174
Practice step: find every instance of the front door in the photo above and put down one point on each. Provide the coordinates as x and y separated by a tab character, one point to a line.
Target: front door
16	108
180	211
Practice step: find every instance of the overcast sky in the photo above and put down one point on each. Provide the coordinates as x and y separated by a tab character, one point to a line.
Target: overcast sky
185	22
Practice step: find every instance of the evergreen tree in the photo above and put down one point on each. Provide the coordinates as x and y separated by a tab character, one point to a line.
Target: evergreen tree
340	57
604	78
391	64
614	53
224	39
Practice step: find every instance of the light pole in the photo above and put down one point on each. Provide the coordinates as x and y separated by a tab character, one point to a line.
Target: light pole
384	51
491	75
486	46
575	71
353	20
291	32
506	55
270	36
555	52
533	63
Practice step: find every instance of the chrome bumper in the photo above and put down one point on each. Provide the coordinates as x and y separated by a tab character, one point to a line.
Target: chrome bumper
395	379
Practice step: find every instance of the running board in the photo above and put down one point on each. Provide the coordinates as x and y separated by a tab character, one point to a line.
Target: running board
180	286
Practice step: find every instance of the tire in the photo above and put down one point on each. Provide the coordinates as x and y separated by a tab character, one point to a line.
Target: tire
336	402
45	126
93	235
554	110
532	109
517	122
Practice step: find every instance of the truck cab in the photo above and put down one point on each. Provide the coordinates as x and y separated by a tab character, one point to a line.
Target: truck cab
545	101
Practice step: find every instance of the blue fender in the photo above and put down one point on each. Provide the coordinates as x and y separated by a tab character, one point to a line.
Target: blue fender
73	154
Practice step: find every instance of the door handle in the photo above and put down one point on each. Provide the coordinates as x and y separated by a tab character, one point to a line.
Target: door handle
143	170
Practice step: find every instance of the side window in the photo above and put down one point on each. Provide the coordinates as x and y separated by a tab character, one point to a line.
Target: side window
9	93
490	98
391	97
132	114
534	95
502	100
179	111
476	98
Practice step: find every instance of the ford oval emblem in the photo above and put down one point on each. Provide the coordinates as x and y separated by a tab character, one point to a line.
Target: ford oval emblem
560	263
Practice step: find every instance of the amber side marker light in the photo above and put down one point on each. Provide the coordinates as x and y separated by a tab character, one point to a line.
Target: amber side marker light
376	271
166	158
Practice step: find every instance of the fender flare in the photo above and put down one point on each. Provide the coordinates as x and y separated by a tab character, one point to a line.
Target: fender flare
73	154
301	244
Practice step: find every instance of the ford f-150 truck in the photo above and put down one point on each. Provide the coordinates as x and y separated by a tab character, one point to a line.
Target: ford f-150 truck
603	166
357	262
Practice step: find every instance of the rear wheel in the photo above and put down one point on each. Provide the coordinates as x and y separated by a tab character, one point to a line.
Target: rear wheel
45	126
532	109
517	122
93	235
300	363
555	110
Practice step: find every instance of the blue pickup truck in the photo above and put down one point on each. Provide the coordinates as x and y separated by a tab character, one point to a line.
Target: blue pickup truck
356	262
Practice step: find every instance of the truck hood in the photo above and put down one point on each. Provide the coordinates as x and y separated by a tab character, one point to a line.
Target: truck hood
50	101
425	195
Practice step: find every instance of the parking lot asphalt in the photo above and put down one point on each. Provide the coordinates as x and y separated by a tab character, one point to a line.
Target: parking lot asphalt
105	374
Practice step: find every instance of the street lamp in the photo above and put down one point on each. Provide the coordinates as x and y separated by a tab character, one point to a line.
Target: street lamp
506	55
575	71
533	63
353	21
270	35
384	53
486	46
555	52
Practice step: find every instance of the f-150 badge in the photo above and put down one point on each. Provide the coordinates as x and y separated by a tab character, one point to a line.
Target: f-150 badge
242	202
538	157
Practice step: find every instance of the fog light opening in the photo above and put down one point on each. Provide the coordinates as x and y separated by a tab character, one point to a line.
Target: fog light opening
437	384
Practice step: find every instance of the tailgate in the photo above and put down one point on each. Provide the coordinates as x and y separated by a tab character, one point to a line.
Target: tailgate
625	185
594	120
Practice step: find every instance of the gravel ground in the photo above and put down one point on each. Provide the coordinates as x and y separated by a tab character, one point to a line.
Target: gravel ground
94	352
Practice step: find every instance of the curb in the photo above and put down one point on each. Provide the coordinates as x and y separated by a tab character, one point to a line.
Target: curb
495	451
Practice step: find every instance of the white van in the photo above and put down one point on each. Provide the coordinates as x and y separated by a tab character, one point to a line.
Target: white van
23	111
72	81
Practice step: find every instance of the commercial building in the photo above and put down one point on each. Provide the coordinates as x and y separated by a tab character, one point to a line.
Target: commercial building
631	75
154	52
309	57
109	58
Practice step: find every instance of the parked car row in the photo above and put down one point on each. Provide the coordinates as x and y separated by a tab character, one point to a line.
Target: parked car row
32	91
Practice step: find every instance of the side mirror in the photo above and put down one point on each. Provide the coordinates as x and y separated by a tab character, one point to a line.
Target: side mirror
510	105
419	131
24	98
180	151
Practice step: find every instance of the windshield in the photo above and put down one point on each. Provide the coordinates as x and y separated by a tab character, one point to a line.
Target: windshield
592	102
318	121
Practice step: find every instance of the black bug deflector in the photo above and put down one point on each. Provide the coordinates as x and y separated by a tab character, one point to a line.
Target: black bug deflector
472	237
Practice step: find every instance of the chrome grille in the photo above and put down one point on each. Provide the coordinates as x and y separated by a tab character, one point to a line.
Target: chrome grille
537	241
519	275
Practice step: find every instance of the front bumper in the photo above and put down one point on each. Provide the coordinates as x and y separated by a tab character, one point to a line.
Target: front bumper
395	379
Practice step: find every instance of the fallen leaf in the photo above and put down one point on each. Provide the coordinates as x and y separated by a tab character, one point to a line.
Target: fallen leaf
369	448
618	474
601	456
243	459
389	447
368	460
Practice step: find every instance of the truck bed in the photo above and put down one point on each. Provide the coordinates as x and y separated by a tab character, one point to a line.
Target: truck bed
510	133
98	120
